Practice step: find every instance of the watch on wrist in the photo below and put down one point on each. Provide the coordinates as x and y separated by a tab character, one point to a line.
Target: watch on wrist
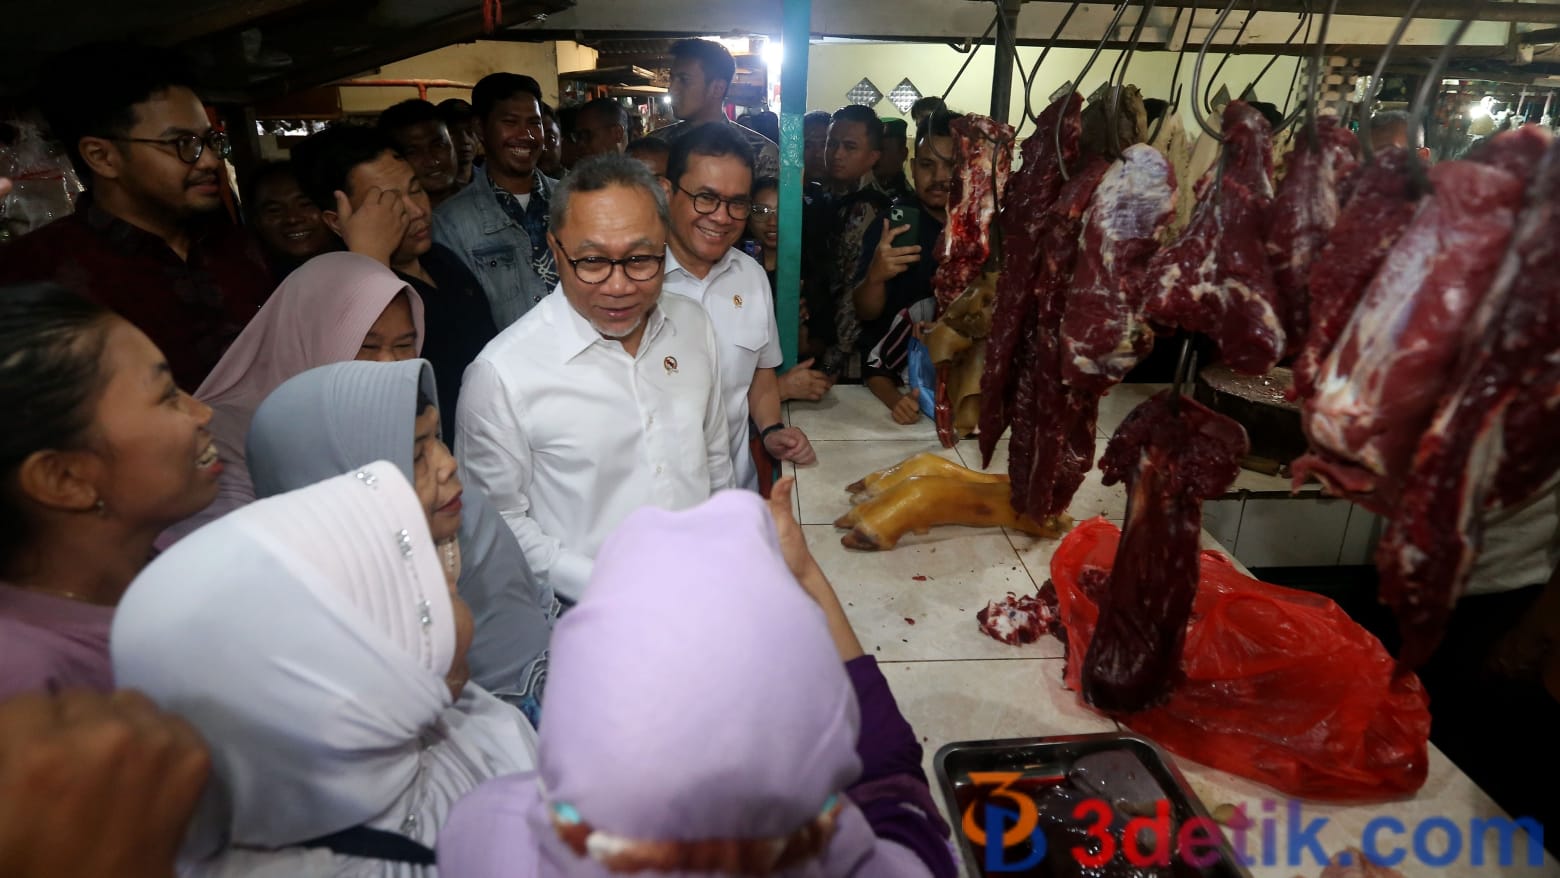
772	428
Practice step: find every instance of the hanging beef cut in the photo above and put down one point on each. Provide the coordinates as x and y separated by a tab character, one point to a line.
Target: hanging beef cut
1104	333
1052	447
1379	388
1030	194
1493	441
1304	212
1172	454
1215	279
985	154
1382	201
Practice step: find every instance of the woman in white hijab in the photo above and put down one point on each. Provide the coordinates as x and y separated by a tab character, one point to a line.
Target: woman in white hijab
316	641
331	419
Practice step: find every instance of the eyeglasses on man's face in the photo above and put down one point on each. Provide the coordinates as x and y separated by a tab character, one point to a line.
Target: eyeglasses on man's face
596	269
706	203
189	147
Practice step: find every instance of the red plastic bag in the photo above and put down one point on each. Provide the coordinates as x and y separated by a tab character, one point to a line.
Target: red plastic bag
1280	686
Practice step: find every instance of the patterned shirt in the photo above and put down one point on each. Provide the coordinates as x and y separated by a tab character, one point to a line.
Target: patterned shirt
533	218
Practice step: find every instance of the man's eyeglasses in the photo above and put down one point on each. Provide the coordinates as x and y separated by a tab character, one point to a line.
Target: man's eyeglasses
596	269
764	211
706	203
189	147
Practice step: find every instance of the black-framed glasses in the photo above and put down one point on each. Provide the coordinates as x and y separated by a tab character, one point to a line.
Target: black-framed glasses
706	203
765	211
596	269
189	147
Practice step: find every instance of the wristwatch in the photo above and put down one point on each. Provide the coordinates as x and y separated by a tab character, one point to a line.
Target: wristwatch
772	428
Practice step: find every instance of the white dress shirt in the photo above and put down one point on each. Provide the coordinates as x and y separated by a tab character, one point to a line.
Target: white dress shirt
735	295
568	434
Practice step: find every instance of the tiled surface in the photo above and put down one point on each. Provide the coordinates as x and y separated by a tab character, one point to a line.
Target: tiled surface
917	602
955	684
1291	533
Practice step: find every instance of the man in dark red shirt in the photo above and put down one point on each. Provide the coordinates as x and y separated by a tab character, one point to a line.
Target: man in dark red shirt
149	239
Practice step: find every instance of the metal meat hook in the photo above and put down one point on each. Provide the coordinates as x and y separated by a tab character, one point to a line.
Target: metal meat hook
1034	71
1419	115
1117	87
1072	88
1175	79
1197	68
1375	79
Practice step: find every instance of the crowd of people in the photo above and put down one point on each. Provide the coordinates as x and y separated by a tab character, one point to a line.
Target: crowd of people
418	512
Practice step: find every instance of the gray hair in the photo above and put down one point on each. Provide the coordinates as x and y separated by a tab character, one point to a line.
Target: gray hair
597	173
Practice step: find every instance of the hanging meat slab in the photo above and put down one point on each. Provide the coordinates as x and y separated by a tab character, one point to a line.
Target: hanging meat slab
1379	388
1215	279
1382	202
1172	455
1032	191
1173	144
1304	213
985	159
1053	426
1493	442
1104	333
1130	117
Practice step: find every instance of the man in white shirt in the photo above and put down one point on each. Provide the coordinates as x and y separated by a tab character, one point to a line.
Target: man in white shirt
709	181
606	396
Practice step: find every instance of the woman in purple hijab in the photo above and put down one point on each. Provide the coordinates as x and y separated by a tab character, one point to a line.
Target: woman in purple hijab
700	720
101	451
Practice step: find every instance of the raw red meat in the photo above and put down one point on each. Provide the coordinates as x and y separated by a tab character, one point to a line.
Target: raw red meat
1172	454
1016	620
1303	215
1380	206
1053	425
1496	432
1352	863
1029	195
1104	333
1379	388
1216	278
985	156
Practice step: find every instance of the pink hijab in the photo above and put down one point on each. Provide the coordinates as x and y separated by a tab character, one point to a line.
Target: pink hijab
318	316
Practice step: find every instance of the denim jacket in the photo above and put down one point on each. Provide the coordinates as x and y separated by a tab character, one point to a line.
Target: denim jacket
493	246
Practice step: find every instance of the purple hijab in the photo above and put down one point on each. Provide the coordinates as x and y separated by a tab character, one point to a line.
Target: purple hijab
695	693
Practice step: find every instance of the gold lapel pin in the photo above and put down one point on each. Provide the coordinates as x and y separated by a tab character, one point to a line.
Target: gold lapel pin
671	365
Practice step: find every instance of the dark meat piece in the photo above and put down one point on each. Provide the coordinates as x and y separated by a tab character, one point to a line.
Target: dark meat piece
1380	386
1103	332
1016	620
1303	215
1171	459
1031	192
1216	279
1058	422
1503	417
1131	119
1519	151
1379	209
985	156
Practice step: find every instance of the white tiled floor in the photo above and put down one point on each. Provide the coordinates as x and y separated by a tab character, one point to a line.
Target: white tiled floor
954	683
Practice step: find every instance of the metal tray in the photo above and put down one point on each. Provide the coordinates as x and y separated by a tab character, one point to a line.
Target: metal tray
1051	756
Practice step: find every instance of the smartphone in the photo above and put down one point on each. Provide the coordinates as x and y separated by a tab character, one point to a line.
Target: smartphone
900	215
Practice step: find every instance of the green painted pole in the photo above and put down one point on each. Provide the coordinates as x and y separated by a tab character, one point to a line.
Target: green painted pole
796	31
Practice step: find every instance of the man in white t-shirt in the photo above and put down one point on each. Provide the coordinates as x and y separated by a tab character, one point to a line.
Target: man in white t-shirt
604	398
709	181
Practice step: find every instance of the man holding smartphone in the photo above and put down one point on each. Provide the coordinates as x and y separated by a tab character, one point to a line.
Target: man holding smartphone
893	291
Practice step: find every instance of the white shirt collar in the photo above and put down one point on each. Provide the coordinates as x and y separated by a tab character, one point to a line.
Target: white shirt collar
720	267
579	335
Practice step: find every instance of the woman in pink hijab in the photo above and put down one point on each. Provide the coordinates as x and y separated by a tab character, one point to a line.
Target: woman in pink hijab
334	308
701	721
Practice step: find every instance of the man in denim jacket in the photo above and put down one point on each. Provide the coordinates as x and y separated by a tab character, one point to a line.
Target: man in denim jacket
498	224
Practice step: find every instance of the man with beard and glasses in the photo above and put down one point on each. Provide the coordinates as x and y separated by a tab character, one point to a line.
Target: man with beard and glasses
150	237
374	200
893	289
606	397
497	226
423	139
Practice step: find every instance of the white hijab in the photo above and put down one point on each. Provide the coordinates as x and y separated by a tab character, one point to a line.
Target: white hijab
307	636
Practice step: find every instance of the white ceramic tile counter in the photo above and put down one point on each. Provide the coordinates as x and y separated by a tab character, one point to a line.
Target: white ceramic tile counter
914	609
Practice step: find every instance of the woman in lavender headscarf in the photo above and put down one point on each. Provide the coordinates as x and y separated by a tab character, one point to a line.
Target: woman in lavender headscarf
700	721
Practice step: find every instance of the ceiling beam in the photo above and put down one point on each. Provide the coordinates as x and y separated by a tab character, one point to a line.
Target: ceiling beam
1532	13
